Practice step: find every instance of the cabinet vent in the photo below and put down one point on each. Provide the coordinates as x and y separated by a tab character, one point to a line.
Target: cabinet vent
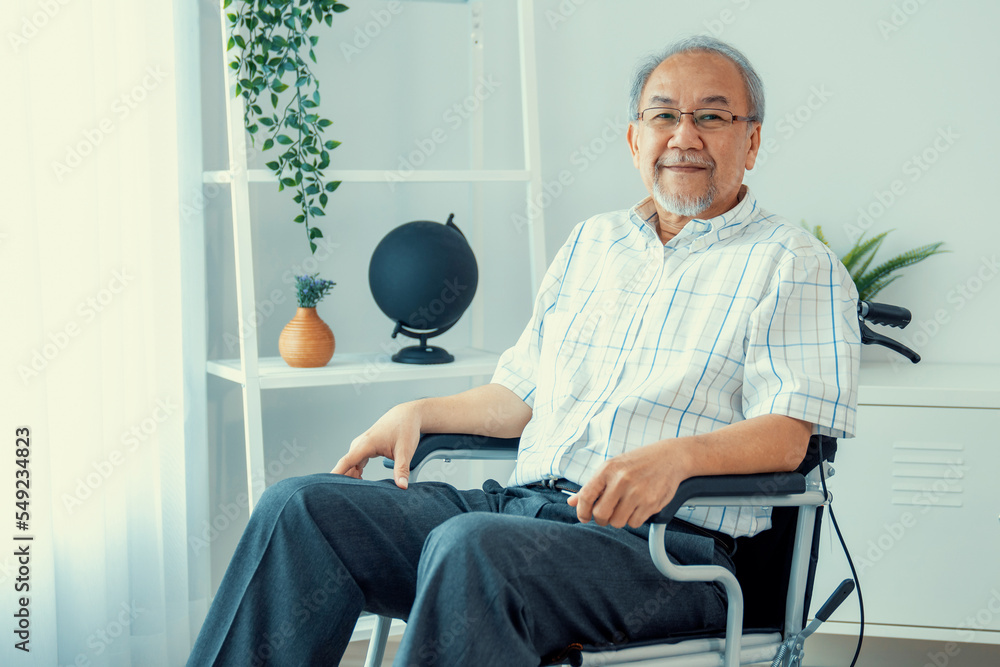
928	474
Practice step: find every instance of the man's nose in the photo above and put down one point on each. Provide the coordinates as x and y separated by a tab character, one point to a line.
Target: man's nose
686	135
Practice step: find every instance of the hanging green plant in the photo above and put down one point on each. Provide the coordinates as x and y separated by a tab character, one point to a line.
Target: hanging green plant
862	254
272	40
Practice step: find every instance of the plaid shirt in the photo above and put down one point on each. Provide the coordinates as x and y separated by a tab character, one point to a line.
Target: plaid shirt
633	341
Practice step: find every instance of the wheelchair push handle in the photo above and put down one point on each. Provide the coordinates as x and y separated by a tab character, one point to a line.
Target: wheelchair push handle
884	314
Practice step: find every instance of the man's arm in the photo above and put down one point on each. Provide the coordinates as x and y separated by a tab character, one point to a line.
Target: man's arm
631	487
491	410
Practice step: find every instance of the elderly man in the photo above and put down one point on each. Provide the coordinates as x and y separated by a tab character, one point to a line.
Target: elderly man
693	334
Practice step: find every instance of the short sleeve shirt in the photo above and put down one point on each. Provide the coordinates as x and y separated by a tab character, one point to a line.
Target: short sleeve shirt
632	341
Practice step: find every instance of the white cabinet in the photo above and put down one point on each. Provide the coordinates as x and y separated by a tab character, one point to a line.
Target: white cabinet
917	499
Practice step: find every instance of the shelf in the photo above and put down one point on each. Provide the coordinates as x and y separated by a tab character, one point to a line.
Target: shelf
357	369
389	176
930	385
253	373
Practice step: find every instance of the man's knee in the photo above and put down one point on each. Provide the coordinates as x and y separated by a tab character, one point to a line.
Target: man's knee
476	539
292	494
465	533
281	491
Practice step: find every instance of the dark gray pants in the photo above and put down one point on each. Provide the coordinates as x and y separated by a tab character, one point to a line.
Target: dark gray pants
499	576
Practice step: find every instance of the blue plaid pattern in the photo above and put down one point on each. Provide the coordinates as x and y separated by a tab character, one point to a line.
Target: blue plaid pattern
632	341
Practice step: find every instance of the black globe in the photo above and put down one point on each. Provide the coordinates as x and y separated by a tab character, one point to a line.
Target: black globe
423	276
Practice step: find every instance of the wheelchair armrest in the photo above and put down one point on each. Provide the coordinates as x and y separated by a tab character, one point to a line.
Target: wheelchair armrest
758	487
435	442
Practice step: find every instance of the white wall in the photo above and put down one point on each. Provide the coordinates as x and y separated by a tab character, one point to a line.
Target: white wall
880	98
857	92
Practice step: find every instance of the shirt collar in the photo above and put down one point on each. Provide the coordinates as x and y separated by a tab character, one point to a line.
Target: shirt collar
699	232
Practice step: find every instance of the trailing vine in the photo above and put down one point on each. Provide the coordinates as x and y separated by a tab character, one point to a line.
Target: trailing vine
272	40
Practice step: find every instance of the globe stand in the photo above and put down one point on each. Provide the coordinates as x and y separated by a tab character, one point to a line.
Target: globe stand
423	353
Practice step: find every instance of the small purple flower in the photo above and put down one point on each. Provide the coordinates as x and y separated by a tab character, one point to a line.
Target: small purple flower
310	290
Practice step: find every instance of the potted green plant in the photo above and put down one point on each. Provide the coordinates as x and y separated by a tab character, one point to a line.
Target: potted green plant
307	341
871	281
272	47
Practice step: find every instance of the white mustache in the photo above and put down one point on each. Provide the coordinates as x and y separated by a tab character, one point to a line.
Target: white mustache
682	158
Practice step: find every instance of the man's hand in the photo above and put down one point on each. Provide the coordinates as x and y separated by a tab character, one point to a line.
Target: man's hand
631	487
395	436
635	485
491	410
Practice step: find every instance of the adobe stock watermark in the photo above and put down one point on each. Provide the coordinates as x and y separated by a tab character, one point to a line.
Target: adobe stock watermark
920	332
311	263
894	532
131	439
457	629
448	469
121	109
87	310
792	122
365	34
263	310
982	619
562	12
582	158
726	17
204	193
301	611
8	569
652	608
427	314
422	319
101	639
374	368
900	15
915	168
32	24
454	116
228	512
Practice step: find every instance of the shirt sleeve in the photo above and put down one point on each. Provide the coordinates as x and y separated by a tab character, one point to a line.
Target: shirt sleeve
804	346
517	368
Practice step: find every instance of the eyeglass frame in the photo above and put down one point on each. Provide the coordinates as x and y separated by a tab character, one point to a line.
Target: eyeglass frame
680	114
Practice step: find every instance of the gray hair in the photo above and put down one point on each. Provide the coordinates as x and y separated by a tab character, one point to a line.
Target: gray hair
751	80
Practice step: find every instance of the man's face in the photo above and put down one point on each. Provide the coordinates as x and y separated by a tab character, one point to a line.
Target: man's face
693	172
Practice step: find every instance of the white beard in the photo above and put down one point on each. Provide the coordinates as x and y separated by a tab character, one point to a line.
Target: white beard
685	207
688	208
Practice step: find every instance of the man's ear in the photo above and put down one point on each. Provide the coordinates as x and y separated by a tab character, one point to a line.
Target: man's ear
632	135
753	148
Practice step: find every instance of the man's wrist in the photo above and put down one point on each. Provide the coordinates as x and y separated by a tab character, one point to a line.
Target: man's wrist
413	411
677	453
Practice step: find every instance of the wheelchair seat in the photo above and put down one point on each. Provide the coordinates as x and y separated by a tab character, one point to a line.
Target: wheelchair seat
765	564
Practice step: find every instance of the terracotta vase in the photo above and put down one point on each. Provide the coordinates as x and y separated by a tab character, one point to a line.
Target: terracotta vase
306	341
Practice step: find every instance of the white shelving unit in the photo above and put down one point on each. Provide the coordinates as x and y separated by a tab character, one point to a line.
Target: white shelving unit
255	373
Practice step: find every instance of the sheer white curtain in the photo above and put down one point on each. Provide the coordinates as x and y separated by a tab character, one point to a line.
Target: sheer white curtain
100	340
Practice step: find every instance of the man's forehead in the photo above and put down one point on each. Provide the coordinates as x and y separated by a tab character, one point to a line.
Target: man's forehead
709	77
657	99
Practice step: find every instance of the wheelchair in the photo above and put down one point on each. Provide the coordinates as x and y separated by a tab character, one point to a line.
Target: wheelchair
768	597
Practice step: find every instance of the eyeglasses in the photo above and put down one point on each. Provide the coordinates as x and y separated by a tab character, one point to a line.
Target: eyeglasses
665	118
